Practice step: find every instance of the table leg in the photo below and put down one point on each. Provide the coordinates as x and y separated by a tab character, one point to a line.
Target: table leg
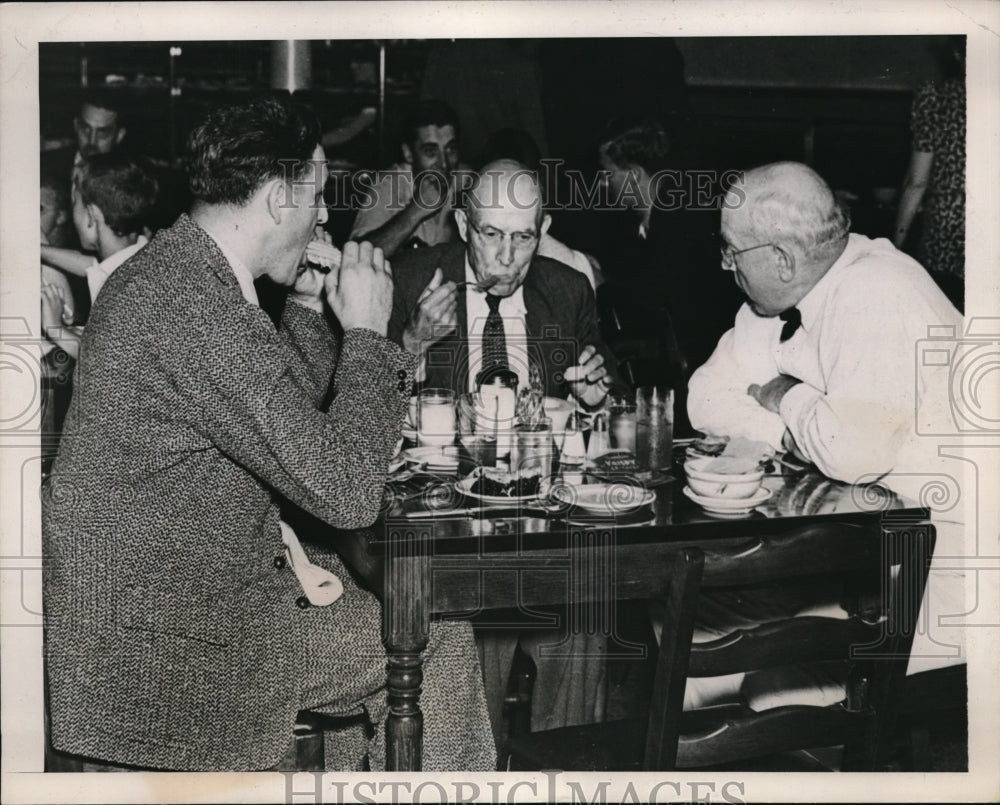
405	627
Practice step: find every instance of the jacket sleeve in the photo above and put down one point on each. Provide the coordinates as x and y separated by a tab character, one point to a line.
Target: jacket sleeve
589	330
311	349
254	408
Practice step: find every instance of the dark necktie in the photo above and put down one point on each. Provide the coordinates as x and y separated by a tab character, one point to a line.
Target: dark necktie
792	319
494	341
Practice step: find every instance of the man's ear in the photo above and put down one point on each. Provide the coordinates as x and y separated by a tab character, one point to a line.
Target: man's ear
407	153
276	199
61	217
462	222
546	223
120	135
785	262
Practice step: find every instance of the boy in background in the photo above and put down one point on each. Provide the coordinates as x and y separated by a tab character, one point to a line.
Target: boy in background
113	197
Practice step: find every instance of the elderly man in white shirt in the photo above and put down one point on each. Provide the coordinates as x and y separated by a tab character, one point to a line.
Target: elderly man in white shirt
822	361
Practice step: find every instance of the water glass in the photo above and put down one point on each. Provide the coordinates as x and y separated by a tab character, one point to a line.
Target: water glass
478	427
621	432
533	449
436	417
654	429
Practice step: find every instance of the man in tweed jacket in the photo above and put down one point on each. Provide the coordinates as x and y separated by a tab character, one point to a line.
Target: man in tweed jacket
177	634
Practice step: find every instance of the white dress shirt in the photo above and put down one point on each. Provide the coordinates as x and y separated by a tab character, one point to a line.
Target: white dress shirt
856	353
98	273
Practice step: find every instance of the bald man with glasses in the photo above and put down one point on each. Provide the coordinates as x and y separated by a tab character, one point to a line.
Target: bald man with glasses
823	361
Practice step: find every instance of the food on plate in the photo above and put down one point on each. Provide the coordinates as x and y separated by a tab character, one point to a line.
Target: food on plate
736	451
615	462
726	465
708	445
500	483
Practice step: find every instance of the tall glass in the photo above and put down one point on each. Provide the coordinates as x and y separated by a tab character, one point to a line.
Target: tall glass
436	417
533	449
621	426
654	429
478	427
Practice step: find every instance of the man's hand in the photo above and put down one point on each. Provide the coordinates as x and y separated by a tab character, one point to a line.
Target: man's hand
53	307
309	285
360	291
589	379
436	315
431	192
770	394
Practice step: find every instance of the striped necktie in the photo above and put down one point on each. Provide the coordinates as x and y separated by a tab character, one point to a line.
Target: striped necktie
494	341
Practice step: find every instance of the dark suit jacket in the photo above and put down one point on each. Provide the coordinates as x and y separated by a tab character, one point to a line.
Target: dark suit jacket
173	640
560	318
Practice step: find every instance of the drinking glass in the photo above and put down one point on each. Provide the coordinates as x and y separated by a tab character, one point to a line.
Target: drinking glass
478	426
436	417
654	429
533	449
622	415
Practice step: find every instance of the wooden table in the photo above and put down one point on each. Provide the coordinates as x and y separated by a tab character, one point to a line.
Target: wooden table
462	565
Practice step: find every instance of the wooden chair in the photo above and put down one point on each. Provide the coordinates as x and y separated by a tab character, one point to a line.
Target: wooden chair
875	642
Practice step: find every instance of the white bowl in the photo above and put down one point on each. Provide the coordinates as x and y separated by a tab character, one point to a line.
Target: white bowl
722	485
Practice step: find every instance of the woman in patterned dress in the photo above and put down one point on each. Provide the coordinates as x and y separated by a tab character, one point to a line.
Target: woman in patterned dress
935	179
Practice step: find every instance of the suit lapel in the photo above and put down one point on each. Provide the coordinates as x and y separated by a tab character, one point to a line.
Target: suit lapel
451	368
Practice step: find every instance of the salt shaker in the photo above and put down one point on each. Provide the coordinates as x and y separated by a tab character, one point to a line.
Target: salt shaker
599	444
573	451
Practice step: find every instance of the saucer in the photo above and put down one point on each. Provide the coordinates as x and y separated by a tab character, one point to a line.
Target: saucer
731	506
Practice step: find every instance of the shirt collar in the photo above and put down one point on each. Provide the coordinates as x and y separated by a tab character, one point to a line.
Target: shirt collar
811	305
119	257
512	305
243	275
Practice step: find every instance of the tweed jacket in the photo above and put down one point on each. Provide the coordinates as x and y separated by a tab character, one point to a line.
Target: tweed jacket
560	318
173	637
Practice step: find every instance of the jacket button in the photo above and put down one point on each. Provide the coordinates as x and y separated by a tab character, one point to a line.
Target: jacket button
402	385
302	602
280	562
401	374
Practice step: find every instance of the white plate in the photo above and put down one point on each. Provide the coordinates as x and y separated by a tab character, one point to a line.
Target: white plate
465	487
729	505
432	457
604	498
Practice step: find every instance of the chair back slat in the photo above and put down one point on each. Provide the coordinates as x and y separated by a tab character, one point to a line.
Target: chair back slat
742	733
800	640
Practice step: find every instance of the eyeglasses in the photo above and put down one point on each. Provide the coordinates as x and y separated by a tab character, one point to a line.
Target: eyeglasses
521	240
729	254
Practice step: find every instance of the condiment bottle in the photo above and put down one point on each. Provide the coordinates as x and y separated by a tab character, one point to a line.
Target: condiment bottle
599	444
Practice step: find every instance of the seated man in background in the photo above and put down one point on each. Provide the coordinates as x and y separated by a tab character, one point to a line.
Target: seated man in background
411	202
822	362
98	129
538	313
185	626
